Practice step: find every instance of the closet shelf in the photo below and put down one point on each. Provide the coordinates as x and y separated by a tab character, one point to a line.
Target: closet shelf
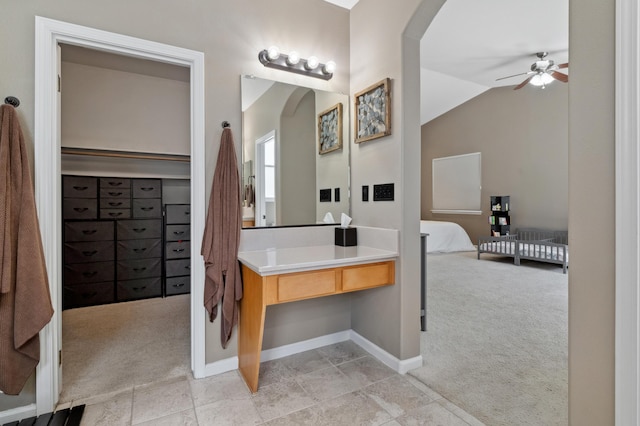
125	154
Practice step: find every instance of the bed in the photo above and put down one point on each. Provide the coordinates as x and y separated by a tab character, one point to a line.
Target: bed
445	237
535	244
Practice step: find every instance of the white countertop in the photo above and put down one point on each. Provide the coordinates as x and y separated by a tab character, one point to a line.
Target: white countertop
285	260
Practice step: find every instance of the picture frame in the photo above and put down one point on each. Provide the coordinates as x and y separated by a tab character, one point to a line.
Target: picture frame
330	129
373	112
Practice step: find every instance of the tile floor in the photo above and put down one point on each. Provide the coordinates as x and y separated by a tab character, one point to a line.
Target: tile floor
340	384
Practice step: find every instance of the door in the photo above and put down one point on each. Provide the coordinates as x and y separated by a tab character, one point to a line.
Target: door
266	180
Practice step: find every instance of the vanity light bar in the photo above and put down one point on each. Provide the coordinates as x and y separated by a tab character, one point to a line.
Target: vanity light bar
272	58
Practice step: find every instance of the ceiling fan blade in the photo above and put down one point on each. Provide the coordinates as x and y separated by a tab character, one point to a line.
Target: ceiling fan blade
515	75
559	76
524	83
560	66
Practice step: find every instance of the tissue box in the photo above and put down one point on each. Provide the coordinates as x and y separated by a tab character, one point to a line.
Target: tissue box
346	237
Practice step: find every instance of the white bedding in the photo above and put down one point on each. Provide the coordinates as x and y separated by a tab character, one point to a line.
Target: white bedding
445	237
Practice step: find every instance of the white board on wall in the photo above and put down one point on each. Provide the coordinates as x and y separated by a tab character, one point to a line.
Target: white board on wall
457	184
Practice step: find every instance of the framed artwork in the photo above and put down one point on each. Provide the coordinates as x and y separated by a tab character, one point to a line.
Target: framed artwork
330	129
373	112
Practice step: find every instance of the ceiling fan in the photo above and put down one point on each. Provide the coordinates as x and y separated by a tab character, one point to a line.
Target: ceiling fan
543	71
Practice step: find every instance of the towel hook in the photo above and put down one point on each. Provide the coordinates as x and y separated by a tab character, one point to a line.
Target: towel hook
225	124
12	100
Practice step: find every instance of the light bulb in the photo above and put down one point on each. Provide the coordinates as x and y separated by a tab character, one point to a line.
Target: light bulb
293	58
312	63
273	53
329	67
541	79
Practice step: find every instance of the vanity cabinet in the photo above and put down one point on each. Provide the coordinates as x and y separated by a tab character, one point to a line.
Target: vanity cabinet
177	252
113	239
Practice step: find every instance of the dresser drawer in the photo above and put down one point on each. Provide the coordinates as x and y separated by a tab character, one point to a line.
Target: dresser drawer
304	285
147	188
139	268
89	251
139	249
120	193
178	249
176	268
112	182
115	203
143	208
140	228
76	296
91	272
79	187
178	213
368	276
80	208
178	232
115	213
177	285
139	289
88	231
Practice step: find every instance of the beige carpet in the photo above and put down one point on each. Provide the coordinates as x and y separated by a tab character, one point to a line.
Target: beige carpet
496	339
114	347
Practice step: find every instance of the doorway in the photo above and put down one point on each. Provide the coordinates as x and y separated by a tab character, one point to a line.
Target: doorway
266	180
50	33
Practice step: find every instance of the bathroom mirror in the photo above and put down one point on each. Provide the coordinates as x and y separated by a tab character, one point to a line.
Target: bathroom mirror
289	178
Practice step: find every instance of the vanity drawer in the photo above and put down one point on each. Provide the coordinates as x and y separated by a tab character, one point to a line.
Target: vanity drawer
118	193
115	213
88	231
80	208
140	228
178	233
178	249
79	187
139	268
139	289
115	203
139	249
147	188
372	275
76	296
88	251
305	285
143	208
177	285
176	268
112	182
91	272
178	213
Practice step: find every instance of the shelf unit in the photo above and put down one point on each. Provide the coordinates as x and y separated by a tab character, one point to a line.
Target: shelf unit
499	220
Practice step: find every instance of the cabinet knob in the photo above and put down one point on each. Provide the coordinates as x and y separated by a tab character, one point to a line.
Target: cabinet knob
115	194
89	231
80	209
114	204
140	269
147	188
180	250
115	183
146	209
80	188
140	250
139	230
89	253
178	285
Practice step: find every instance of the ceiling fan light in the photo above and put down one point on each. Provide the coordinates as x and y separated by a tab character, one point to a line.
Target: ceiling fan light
541	79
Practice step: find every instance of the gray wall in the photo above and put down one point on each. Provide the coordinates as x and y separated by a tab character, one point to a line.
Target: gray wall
523	137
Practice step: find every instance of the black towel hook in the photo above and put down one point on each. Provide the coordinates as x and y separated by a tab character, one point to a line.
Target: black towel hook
12	100
225	124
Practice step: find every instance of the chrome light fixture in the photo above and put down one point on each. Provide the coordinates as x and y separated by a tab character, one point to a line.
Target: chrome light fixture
292	62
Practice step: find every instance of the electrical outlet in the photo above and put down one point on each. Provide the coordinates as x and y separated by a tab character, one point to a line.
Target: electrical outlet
383	192
365	192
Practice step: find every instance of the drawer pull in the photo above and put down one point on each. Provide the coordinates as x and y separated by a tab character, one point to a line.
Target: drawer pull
89	231
89	253
115	214
139	288
147	188
80	188
178	232
115	194
178	285
80	209
180	250
89	295
187	267
139	230
146	209
89	274
114	204
187	213
144	268
115	183
140	250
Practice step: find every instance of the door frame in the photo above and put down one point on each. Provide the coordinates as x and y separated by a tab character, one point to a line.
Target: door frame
260	201
48	34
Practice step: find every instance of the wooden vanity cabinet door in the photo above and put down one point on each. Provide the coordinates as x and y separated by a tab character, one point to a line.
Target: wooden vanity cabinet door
305	285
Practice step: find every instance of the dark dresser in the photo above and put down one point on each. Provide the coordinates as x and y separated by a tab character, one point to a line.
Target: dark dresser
177	232
113	239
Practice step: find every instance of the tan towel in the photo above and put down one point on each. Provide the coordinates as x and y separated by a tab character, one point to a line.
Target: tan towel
223	282
25	302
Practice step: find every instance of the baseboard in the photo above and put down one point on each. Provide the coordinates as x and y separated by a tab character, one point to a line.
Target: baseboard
16	414
401	366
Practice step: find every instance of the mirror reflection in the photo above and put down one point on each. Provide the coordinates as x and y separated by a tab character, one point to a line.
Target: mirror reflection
295	143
